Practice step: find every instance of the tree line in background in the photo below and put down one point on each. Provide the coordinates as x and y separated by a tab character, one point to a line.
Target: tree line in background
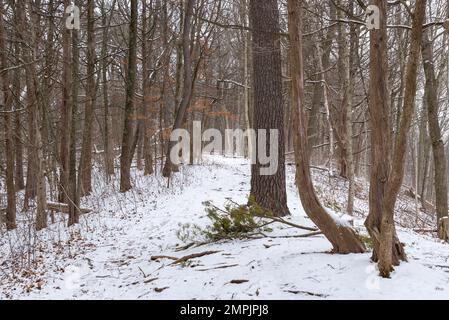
362	103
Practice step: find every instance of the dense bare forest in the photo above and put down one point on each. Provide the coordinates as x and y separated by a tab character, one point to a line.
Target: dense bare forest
144	141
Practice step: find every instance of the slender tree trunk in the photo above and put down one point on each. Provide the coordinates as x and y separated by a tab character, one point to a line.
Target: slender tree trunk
108	155
28	50
341	236
144	121
66	119
350	79
439	158
86	152
126	156
18	144
74	182
8	129
187	82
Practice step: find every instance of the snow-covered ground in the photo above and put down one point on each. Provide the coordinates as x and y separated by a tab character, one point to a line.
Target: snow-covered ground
108	256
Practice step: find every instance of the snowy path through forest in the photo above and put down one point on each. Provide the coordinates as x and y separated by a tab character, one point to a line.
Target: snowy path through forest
116	258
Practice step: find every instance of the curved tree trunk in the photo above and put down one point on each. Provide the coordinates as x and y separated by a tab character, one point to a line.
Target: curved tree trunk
342	237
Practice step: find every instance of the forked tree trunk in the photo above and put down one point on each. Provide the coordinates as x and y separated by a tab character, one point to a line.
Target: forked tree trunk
341	236
269	191
8	129
397	169
381	135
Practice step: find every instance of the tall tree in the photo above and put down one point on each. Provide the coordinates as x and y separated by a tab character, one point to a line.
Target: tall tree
8	129
439	158
396	176
86	151
108	154
126	156
36	158
186	95
269	191
381	133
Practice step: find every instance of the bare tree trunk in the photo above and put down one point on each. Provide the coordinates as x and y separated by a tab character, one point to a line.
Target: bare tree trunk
66	119
86	152
108	156
350	53
397	170
439	158
341	236
18	143
268	190
187	83
74	182
381	134
126	156
144	121
8	118
28	50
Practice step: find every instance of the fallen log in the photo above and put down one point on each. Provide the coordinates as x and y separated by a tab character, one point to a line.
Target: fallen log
64	208
154	258
192	256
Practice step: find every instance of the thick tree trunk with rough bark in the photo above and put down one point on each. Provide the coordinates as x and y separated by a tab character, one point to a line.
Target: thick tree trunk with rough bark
341	236
269	191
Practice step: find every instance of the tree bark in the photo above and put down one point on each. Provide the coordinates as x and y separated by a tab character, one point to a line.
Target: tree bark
108	155
268	191
187	83
144	121
86	152
8	129
126	156
397	169
27	36
439	158
381	134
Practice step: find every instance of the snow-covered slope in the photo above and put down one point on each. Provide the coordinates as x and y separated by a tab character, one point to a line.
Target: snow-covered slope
108	256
